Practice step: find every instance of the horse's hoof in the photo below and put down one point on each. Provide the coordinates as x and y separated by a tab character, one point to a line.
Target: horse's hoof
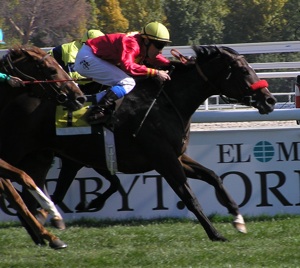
219	238
240	227
239	224
41	215
57	244
58	223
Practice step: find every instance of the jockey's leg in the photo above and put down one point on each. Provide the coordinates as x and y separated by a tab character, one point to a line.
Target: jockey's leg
105	107
105	73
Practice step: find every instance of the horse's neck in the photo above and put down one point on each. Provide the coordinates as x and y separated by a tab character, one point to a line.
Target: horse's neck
187	92
178	98
7	94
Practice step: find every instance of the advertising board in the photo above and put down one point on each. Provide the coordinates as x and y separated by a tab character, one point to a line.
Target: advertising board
259	168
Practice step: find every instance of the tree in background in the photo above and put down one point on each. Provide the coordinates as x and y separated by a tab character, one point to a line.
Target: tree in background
291	14
141	12
50	23
92	21
196	21
110	16
44	22
254	21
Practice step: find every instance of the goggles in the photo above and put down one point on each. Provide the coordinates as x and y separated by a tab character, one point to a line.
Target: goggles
158	44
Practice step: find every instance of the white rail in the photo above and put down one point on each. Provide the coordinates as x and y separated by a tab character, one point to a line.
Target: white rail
245	115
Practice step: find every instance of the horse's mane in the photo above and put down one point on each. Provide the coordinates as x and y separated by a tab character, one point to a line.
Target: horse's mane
20	50
230	50
208	52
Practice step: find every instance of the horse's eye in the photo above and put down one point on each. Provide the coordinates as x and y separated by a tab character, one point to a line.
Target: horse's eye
52	71
245	71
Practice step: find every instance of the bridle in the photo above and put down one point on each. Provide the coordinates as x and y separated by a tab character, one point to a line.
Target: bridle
10	67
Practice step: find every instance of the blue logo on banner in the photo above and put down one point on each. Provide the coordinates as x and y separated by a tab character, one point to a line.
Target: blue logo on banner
263	151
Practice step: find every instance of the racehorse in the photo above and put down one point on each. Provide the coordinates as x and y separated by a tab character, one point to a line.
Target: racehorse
151	126
32	64
34	227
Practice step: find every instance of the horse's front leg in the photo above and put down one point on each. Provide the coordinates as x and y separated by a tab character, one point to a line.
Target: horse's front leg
170	168
186	194
114	180
195	170
38	229
27	182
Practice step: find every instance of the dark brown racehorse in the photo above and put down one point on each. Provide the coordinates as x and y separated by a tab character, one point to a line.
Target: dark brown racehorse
37	69
155	142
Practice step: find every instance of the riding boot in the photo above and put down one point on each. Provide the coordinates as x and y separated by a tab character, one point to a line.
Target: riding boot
103	110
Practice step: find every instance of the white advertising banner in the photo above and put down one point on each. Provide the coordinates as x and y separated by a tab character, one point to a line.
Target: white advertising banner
259	167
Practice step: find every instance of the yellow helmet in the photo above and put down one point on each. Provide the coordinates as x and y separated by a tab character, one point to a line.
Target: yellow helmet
156	31
91	34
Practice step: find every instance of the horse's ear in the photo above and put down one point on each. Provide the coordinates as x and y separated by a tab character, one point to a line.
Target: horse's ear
229	53
31	52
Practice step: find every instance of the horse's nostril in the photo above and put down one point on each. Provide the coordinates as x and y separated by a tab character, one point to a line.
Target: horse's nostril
271	101
81	99
62	98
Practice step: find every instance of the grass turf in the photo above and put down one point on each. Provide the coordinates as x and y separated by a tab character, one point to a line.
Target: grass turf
270	242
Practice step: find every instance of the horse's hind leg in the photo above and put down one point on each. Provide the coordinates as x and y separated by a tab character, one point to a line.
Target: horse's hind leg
195	170
38	229
114	180
68	172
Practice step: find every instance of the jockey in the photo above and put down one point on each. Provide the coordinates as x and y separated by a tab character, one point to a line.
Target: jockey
65	55
114	58
11	80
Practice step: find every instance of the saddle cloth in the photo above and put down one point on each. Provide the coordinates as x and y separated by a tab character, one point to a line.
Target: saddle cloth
74	123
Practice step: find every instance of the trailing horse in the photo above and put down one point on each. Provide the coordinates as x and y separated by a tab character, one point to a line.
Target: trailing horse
32	64
156	141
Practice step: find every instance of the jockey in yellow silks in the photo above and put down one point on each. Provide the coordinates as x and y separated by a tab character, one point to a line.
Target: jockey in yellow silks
65	54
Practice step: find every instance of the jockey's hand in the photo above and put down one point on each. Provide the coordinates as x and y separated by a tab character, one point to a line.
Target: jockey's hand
15	81
163	75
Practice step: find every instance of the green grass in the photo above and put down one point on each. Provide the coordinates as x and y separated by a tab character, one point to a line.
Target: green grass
270	242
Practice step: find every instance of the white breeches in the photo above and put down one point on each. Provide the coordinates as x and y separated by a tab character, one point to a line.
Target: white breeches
101	71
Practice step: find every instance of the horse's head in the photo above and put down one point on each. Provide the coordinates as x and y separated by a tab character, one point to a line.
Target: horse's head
229	74
32	65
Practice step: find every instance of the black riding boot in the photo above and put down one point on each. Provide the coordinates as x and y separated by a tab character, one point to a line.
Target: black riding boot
104	109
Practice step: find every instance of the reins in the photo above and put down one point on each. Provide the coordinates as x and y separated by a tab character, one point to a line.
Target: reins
54	81
9	66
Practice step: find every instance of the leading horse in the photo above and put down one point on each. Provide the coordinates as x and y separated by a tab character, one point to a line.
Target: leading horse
156	141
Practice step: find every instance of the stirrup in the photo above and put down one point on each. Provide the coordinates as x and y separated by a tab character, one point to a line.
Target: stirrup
94	119
97	118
